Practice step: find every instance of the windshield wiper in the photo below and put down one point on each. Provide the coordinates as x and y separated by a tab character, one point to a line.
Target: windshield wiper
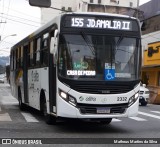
86	39
118	43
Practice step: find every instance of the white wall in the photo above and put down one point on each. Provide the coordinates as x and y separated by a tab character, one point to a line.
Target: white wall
79	5
149	38
124	3
49	13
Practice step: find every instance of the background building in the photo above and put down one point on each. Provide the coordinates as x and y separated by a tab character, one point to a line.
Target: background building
151	18
151	48
108	6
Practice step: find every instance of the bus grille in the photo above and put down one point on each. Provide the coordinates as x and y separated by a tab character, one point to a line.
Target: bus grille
91	109
101	88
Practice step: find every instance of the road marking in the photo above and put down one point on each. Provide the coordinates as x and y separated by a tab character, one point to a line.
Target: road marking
137	118
150	115
28	117
5	117
158	112
116	120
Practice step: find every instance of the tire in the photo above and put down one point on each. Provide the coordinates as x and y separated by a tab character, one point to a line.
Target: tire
22	106
144	104
106	122
49	119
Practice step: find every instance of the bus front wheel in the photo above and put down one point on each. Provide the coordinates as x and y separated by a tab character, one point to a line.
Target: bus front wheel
49	119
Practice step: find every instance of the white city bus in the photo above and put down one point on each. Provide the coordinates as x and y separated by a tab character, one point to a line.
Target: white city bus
80	65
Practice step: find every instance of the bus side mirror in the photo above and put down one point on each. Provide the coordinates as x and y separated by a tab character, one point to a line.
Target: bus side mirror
40	3
53	43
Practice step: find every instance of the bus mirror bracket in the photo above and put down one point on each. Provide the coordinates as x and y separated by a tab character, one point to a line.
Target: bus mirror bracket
56	33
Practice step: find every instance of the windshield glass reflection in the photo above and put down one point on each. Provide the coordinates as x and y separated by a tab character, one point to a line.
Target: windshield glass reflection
94	57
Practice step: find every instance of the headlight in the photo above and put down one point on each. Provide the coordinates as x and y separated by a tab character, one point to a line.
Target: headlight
63	95
70	99
133	99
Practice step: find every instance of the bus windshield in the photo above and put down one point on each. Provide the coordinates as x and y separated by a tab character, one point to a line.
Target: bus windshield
98	57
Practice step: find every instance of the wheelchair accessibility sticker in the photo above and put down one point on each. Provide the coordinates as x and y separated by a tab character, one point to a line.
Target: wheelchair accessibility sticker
109	72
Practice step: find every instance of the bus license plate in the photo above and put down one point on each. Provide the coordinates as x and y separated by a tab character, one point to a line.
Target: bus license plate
103	110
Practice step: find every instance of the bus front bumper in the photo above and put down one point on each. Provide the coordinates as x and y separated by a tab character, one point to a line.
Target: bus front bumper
67	110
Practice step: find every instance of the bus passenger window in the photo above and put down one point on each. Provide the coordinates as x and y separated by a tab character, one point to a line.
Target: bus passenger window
21	56
38	51
44	49
31	53
11	60
17	58
44	52
34	52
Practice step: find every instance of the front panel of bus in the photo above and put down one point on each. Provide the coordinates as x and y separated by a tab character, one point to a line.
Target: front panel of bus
98	66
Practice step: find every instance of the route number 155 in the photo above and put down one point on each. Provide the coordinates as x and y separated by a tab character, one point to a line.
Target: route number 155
77	22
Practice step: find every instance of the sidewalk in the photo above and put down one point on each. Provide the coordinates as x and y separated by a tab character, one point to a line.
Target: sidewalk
5	95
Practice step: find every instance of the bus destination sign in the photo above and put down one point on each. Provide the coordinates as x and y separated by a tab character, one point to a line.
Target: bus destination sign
99	23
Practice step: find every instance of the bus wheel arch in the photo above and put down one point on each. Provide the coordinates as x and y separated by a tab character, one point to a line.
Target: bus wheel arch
43	108
42	100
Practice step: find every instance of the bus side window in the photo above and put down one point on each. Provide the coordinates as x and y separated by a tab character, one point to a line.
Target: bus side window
11	60
21	56
34	52
38	44
28	55
15	57
31	54
44	49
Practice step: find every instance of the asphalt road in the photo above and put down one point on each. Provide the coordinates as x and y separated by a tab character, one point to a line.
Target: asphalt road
30	124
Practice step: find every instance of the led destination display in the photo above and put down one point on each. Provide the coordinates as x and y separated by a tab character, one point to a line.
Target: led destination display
100	23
